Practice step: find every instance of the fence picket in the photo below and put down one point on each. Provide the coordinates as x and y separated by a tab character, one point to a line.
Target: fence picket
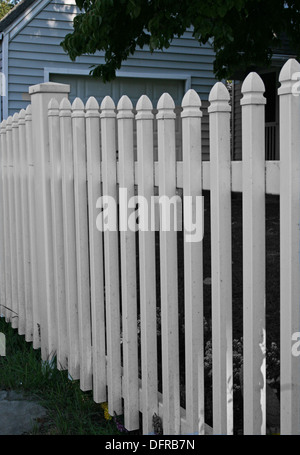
111	257
82	244
96	250
168	267
69	237
58	233
5	239
2	246
145	151
41	94
289	248
28	323
18	221
193	268
128	266
31	169
14	311
254	334
221	262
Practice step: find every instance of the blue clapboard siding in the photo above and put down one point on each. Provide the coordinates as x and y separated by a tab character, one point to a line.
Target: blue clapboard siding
37	46
1	103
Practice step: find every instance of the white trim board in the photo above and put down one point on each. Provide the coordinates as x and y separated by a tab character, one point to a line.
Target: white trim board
24	18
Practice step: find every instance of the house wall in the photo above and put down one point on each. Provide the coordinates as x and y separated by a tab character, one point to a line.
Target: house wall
1	94
237	121
34	45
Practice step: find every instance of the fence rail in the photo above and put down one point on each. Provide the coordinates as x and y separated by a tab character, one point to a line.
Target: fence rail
90	297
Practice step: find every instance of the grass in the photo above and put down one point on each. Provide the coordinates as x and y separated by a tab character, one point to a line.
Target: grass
69	410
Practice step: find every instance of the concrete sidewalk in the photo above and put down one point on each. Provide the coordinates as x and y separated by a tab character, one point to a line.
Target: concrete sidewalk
18	413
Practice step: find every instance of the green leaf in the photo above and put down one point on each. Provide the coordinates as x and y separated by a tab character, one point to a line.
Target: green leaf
237	28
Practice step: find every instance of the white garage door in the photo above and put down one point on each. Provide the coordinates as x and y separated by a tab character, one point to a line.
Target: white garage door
85	86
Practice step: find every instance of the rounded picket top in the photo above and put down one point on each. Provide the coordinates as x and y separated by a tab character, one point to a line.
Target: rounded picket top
219	92
15	120
165	102
22	116
107	104
253	89
22	113
191	99
9	122
107	108
28	113
92	104
92	108
124	103
125	108
289	78
77	104
65	104
191	104
65	108
253	84
78	108
53	107
3	127
288	70
144	108
219	98
144	104
28	110
53	104
165	107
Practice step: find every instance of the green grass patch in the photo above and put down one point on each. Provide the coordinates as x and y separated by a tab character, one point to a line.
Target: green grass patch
70	411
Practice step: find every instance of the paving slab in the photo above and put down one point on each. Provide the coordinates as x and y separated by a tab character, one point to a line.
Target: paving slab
18	413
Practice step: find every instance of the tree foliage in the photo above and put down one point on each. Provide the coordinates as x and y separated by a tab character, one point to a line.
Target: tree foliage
5	7
242	32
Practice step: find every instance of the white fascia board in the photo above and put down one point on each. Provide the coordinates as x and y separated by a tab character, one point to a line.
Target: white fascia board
26	17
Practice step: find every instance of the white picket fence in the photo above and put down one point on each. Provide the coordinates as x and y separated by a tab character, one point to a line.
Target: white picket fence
72	290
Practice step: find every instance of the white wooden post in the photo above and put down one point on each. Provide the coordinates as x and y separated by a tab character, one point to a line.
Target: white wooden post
254	338
69	237
58	241
32	229
111	255
25	227
5	251
193	267
18	220
41	94
12	227
144	120
289	247
82	244
221	262
128	267
96	250
168	268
